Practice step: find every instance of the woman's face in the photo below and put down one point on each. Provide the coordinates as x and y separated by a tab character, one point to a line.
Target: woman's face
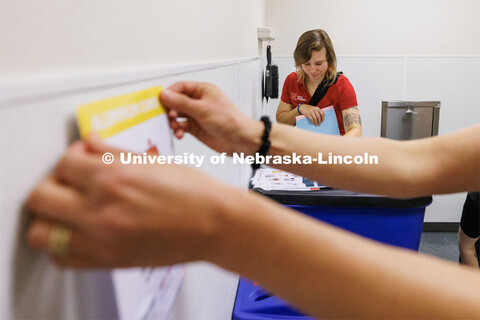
317	66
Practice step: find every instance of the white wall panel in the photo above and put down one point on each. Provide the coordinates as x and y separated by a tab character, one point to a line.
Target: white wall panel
34	135
249	102
208	292
374	79
39	128
454	81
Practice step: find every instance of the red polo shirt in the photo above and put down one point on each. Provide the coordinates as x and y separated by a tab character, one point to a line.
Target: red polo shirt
340	94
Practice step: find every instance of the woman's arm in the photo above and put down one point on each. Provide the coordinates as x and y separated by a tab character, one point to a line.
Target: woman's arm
330	273
352	122
287	114
442	164
130	215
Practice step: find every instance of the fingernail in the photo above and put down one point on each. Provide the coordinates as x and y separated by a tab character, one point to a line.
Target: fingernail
94	136
166	94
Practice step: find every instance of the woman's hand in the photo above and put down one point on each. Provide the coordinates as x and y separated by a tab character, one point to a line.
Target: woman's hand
124	215
211	117
313	113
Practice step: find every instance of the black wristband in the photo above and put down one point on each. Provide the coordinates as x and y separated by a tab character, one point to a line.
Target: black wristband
262	151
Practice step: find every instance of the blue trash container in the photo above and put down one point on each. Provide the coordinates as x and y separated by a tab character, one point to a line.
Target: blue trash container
397	222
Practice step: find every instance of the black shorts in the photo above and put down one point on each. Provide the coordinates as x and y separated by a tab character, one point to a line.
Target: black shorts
470	221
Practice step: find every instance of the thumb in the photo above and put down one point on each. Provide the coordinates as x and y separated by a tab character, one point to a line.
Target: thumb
180	102
96	144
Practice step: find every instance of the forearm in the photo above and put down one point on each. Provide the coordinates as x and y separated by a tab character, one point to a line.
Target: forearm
371	178
288	117
417	167
355	131
322	268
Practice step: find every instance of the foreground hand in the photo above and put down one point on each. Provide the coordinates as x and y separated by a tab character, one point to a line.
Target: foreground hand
211	117
313	113
122	215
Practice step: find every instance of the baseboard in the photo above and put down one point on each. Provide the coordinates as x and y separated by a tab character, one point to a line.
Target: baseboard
440	226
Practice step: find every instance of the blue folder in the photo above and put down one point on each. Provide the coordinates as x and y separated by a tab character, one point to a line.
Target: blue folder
328	126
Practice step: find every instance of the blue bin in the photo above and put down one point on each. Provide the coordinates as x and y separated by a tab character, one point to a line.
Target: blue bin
400	227
397	222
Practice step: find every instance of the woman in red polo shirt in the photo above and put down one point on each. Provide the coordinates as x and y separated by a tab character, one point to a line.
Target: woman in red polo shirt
316	62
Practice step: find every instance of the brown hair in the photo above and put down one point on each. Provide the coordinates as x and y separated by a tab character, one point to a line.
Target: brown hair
315	40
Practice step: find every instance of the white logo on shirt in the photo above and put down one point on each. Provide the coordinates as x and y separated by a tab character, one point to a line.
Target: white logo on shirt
301	98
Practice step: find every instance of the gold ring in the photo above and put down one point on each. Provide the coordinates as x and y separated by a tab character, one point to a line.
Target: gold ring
59	242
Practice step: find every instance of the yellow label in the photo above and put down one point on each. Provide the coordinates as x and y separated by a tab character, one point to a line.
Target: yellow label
110	116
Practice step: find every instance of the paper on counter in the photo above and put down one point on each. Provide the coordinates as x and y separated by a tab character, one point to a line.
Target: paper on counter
275	179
